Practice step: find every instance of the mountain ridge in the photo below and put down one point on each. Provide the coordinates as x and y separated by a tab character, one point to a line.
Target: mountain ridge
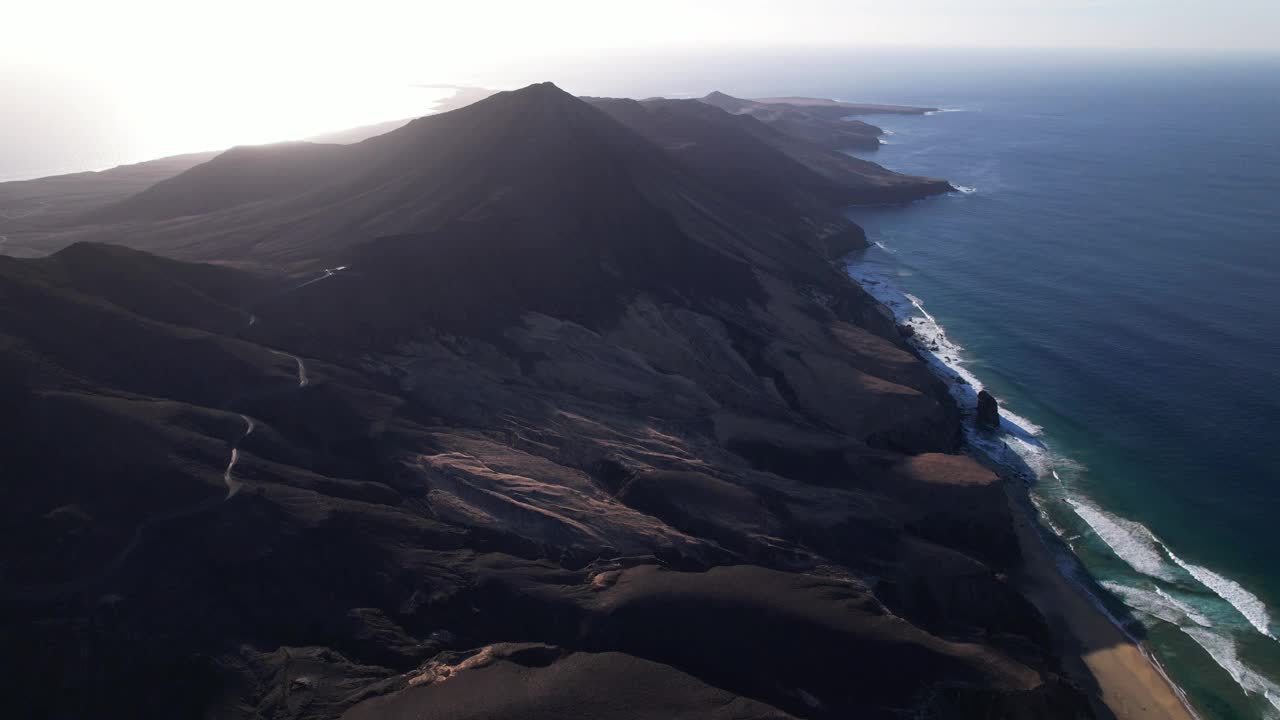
523	408
247	215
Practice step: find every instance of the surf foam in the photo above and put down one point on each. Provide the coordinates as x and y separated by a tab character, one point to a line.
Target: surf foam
1186	609
1223	651
1156	603
1130	541
1248	604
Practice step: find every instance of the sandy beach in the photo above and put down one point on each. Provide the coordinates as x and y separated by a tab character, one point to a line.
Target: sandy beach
1121	679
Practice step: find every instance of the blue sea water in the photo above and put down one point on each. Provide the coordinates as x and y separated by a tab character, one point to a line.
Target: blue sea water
1112	274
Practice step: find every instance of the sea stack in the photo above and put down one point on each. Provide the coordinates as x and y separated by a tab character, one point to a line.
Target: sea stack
988	410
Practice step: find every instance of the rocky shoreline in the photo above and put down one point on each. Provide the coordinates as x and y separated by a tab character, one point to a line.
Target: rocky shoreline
1123	679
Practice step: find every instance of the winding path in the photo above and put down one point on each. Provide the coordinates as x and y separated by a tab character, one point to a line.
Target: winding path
303	381
233	485
328	273
53	592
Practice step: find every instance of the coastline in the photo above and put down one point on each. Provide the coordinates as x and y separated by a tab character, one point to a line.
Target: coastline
1123	680
574	451
1166	510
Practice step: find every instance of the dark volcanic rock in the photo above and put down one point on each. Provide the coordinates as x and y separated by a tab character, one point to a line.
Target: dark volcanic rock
239	175
988	410
500	686
296	202
585	428
825	126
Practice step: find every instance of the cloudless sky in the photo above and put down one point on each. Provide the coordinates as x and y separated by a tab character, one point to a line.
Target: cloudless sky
117	76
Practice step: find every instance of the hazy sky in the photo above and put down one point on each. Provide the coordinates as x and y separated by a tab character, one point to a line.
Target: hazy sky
147	76
168	37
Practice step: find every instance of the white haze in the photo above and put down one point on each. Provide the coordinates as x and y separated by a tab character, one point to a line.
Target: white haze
88	84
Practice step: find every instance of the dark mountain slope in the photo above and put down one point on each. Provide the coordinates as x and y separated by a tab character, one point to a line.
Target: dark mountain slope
204	296
574	225
536	157
239	175
112	413
725	151
592	426
825	125
420	176
61	199
412	179
817	136
74	328
760	164
149	569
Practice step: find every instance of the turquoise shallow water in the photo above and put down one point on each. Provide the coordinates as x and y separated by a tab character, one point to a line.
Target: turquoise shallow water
1112	274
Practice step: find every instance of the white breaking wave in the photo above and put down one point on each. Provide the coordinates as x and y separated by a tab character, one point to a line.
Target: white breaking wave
1141	549
1136	545
915	302
1248	604
1186	609
1130	541
1142	601
1022	423
1223	652
966	189
1156	603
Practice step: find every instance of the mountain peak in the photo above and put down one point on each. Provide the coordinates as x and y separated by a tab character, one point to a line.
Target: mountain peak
725	101
524	106
542	91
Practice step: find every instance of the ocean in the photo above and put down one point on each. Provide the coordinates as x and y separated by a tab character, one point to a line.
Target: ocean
1111	272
